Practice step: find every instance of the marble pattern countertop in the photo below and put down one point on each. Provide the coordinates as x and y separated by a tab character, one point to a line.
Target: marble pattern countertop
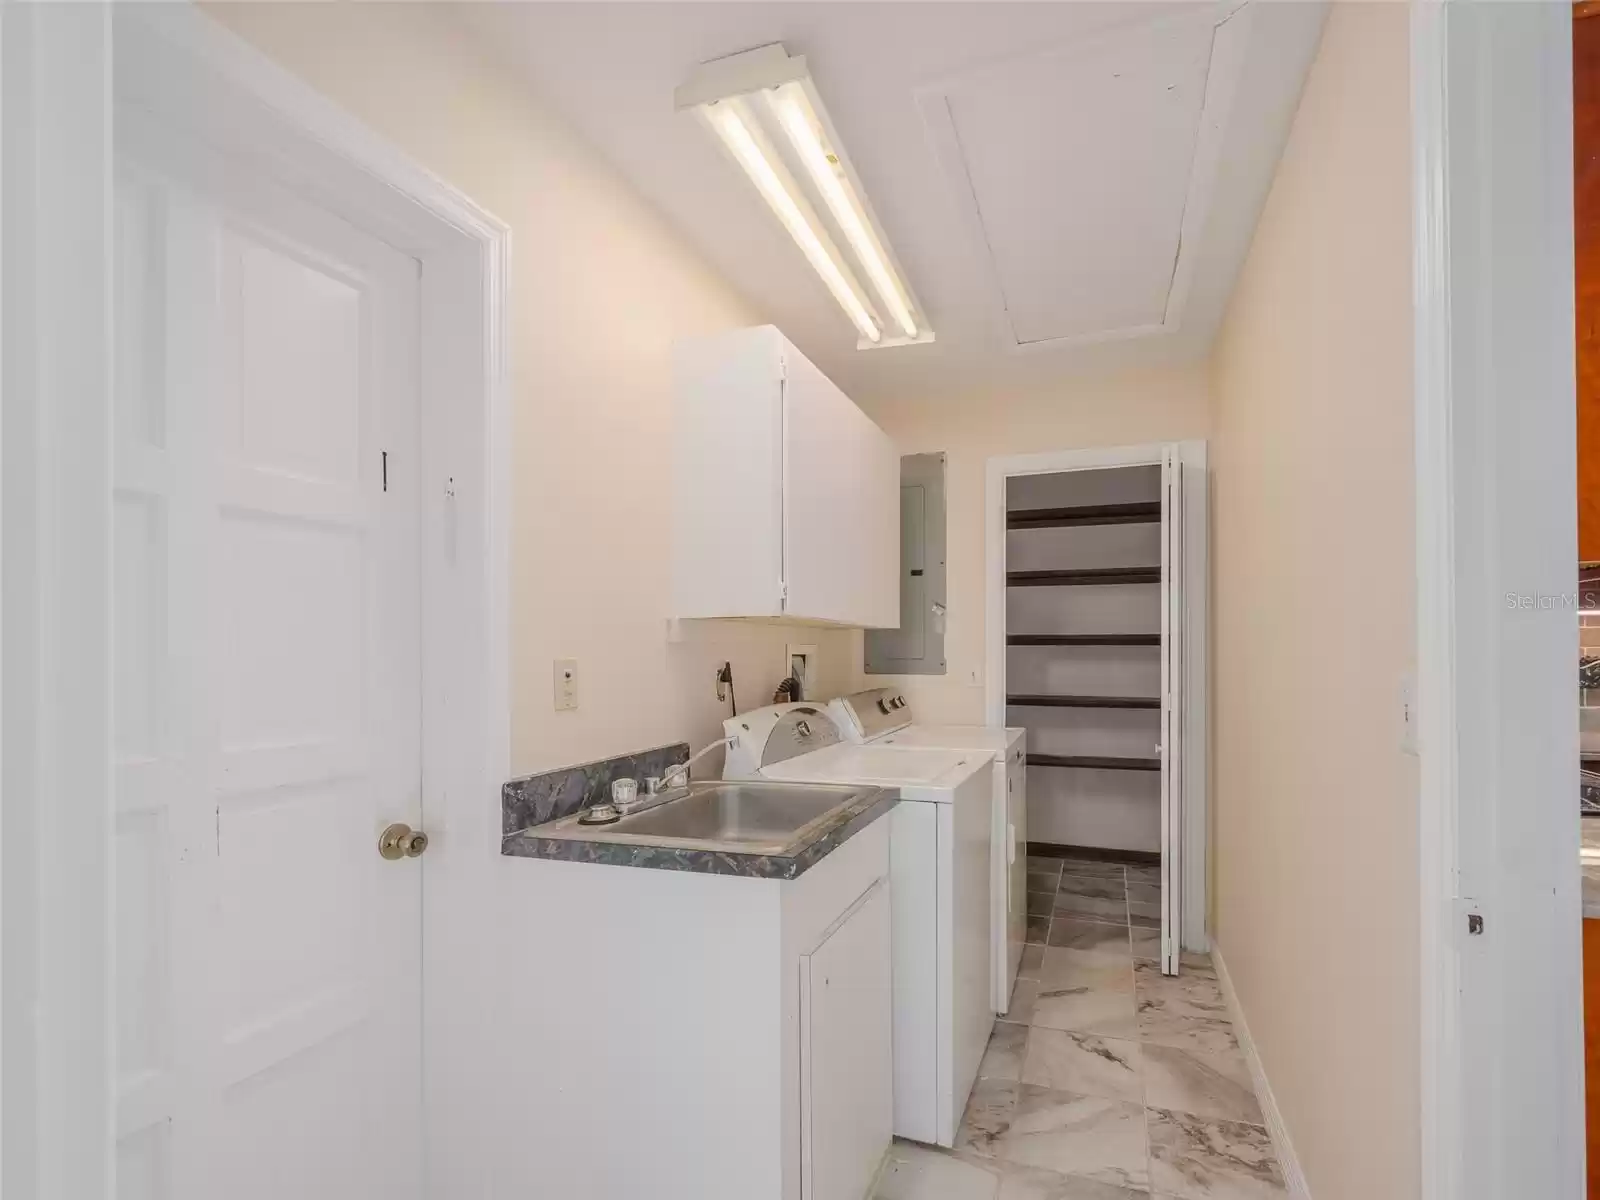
535	799
850	820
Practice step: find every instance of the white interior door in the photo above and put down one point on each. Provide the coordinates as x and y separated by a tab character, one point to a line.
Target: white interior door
1172	707
266	710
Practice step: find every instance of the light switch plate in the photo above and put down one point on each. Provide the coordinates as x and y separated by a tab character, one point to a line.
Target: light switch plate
566	684
1408	714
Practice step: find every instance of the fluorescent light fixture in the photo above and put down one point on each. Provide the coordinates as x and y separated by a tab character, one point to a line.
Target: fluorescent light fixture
759	165
794	113
792	116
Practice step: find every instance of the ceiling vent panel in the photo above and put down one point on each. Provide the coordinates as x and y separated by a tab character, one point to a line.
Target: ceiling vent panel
1079	172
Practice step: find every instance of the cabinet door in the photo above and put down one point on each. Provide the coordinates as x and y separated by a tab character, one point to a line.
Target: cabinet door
727	475
841	505
846	1055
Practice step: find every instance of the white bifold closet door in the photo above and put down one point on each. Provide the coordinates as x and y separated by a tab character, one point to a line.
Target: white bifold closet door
1173	571
266	598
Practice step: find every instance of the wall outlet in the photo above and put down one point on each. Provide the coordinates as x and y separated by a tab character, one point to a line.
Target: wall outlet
566	684
801	663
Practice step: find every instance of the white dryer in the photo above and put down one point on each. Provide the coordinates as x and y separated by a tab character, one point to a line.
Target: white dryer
883	717
939	895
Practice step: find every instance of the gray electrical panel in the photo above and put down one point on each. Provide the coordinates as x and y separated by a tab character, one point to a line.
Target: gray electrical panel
917	647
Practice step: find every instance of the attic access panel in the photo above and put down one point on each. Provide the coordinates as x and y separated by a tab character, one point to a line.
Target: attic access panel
1083	171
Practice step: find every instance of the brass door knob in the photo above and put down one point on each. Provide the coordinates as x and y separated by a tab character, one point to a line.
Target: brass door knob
401	841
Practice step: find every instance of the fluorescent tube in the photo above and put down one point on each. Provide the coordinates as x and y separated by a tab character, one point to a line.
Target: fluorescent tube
730	127
793	110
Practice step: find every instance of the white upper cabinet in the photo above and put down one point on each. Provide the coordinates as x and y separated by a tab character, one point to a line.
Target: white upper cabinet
786	496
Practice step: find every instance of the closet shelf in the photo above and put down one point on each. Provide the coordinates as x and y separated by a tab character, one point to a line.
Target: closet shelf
1083	639
1084	578
1037	701
1094	761
1084	514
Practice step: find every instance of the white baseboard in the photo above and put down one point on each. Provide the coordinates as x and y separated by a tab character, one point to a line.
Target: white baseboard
1293	1177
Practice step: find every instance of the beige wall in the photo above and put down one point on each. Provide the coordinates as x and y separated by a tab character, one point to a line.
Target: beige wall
1315	802
600	288
1124	409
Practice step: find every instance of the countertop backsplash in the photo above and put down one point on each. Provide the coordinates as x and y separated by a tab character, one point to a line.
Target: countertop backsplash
535	799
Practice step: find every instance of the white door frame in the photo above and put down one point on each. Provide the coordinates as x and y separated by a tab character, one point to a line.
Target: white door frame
62	64
1502	1105
55	800
1195	934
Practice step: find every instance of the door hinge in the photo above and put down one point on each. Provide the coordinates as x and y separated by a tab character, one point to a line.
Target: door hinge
783	591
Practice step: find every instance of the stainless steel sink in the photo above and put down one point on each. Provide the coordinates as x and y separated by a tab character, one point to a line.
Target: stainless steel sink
739	817
736	812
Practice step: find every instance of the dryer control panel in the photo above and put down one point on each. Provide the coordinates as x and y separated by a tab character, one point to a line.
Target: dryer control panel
867	716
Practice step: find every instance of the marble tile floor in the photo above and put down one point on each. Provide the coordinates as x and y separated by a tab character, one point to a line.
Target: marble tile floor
1106	1080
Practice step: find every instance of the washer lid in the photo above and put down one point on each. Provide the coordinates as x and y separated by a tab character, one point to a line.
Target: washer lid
992	738
890	767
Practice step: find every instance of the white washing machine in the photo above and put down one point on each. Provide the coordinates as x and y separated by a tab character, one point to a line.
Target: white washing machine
883	717
939	895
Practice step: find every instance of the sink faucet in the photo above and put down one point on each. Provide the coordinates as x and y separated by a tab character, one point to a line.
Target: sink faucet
680	772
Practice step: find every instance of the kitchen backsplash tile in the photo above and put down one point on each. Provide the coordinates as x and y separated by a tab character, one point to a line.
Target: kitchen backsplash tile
535	799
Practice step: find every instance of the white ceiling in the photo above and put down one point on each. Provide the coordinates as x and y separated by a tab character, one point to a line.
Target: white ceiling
1067	186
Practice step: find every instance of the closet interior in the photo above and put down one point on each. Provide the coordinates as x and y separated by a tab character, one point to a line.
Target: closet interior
1083	654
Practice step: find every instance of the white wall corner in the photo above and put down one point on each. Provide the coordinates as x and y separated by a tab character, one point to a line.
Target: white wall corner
1293	1177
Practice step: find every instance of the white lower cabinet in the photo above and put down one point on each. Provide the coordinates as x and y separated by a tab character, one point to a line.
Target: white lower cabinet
718	1037
846	1053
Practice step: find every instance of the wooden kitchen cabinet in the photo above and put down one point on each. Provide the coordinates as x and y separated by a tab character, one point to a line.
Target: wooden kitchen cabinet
1586	214
786	496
